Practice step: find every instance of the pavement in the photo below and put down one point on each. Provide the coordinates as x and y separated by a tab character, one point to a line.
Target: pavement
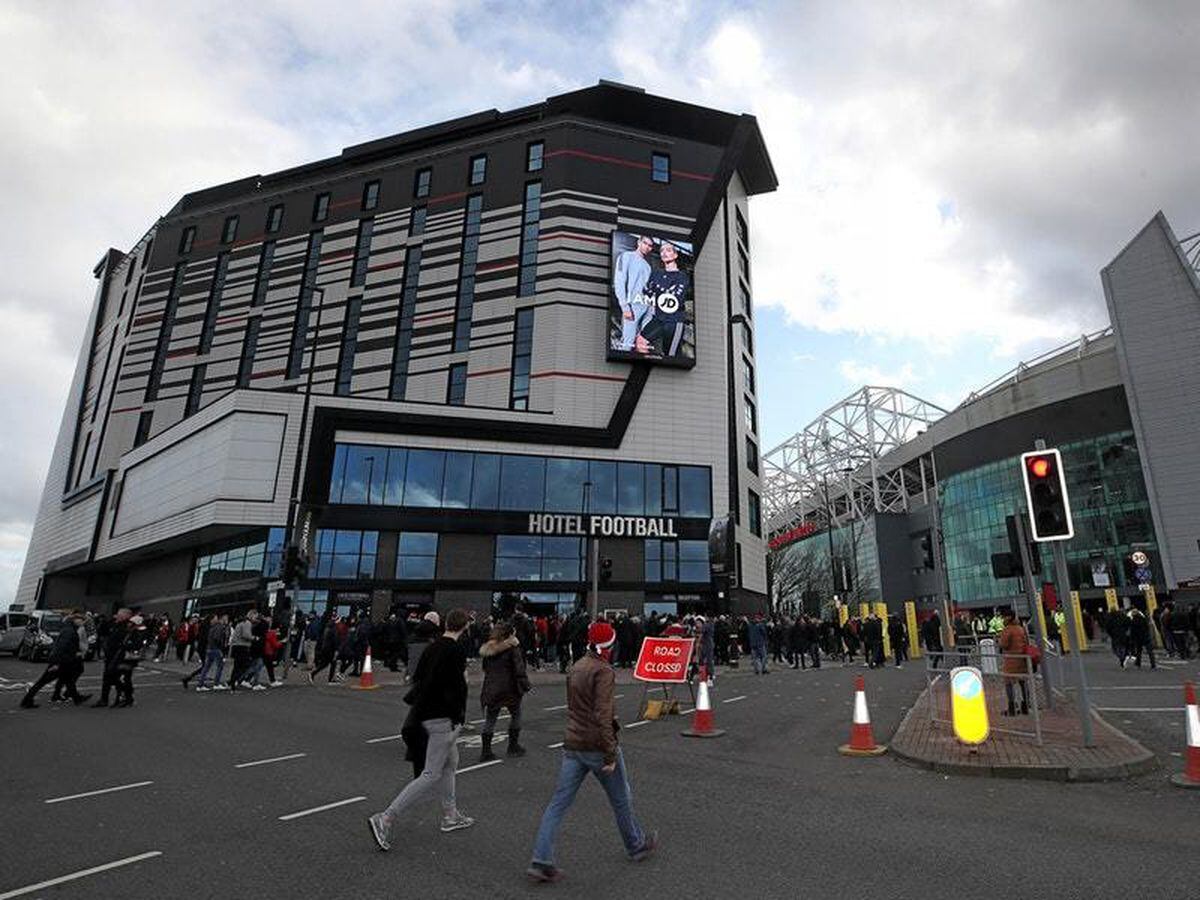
219	795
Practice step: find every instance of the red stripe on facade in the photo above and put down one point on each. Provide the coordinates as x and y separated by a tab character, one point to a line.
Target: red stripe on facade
341	203
588	375
211	242
175	354
269	374
487	372
382	266
618	161
337	257
571	235
227	319
142	320
434	315
246	242
510	263
127	409
446	198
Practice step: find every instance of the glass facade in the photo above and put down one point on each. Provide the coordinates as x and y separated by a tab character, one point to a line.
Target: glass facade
342	553
803	568
416	556
677	561
1108	504
530	557
246	559
449	479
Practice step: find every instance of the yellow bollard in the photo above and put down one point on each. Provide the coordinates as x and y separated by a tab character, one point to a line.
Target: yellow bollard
864	610
1151	606
1110	599
1077	612
914	642
882	612
843	613
1041	614
1063	633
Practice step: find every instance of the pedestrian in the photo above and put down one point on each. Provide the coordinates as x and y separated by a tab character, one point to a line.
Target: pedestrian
505	682
326	653
708	648
797	640
114	639
62	659
591	747
898	635
1117	626
128	656
438	698
181	640
1014	649
69	671
1179	623
214	656
163	638
312	634
239	648
757	639
931	636
1140	637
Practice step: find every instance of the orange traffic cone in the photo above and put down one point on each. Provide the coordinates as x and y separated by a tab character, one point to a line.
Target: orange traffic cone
366	681
862	741
702	717
1190	778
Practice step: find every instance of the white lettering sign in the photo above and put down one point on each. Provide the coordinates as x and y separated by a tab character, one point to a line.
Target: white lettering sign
607	526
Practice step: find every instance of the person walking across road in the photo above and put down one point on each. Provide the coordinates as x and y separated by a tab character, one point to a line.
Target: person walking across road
62	659
1140	638
439	704
591	747
1014	646
505	682
326	652
239	648
757	638
214	656
114	640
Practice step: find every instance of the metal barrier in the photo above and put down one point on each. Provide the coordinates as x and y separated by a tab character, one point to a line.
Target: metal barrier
1025	687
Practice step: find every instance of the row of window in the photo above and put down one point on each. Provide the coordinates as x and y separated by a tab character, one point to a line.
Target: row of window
441	479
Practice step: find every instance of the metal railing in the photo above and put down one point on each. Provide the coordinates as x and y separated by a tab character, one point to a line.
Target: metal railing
1024	686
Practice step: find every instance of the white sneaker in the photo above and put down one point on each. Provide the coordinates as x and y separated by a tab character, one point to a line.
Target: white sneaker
220	687
456	821
203	688
275	684
259	687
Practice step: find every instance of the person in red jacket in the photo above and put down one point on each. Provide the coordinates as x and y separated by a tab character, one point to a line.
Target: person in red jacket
271	645
181	640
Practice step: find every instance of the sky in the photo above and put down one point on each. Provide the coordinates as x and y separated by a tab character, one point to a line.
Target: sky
952	176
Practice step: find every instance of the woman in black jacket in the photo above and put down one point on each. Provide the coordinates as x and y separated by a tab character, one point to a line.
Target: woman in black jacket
505	682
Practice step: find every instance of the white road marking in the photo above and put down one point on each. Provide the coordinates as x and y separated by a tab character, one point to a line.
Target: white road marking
636	724
618	696
734	699
481	721
554	708
273	759
683	710
120	787
476	740
494	762
556	746
317	809
82	873
1132	709
386	737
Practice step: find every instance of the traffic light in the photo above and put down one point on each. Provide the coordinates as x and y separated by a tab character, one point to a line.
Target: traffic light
1014	549
1046	492
295	565
605	570
927	550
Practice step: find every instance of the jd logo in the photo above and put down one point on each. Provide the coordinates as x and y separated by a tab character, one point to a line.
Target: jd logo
668	303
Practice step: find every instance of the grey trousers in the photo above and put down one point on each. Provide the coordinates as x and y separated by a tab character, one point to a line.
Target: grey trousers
441	761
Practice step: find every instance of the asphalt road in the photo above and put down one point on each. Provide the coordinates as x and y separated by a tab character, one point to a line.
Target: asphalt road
768	810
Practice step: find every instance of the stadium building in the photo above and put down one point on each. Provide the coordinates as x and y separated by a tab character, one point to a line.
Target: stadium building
886	497
442	364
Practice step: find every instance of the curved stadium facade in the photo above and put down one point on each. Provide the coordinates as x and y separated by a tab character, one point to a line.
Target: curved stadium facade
918	496
400	361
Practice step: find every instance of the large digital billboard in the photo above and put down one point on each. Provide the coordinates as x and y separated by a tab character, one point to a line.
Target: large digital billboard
651	309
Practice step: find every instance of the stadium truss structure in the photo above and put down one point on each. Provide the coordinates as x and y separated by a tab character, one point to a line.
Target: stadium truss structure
831	471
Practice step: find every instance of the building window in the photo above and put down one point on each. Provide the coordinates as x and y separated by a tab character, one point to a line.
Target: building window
535	155
747	338
466	273
145	420
187	239
195	391
522	557
748	375
129	271
754	507
249	348
751	456
146	255
743	265
456	385
164	333
751	415
478	170
345	371
370	198
308	283
216	565
362	252
416	556
262	278
660	168
408	304
522	358
530	217
209	329
743	232
416	221
676	561
747	307
275	218
321	208
345	554
229	232
421	183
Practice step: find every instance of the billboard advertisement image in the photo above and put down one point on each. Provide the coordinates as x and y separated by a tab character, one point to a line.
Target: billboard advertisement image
651	309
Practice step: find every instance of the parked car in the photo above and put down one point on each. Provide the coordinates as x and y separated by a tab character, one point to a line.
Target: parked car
40	631
12	630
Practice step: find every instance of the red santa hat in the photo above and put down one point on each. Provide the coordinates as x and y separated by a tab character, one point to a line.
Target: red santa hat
601	635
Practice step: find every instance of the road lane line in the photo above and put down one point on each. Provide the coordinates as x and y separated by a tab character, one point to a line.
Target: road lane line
556	746
82	873
636	724
386	737
273	759
554	708
734	699
481	721
1129	709
120	787
317	809
494	762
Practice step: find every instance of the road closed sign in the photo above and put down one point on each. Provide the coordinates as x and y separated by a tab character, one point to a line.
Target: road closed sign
664	660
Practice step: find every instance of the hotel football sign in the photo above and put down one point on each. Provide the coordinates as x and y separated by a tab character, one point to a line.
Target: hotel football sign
605	526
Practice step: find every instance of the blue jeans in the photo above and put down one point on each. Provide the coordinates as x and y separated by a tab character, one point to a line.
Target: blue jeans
758	656
216	658
576	765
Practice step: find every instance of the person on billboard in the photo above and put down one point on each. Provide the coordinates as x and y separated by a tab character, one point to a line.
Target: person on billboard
667	290
630	274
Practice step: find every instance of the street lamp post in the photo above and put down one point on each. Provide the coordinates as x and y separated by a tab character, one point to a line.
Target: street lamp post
829	532
592	561
848	471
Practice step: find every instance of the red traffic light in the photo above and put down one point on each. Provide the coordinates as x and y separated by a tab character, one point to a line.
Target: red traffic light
1039	466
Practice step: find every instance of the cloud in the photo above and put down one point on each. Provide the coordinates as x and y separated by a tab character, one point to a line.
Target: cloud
859	374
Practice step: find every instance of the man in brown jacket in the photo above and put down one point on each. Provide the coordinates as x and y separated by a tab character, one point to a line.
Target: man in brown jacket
1014	644
590	747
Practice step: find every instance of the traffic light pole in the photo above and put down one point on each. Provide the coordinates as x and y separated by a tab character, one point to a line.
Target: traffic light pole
1035	620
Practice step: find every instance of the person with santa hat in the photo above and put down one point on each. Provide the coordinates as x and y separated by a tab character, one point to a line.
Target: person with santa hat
591	748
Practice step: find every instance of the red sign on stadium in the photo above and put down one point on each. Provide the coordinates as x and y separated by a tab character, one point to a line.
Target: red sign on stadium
664	660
